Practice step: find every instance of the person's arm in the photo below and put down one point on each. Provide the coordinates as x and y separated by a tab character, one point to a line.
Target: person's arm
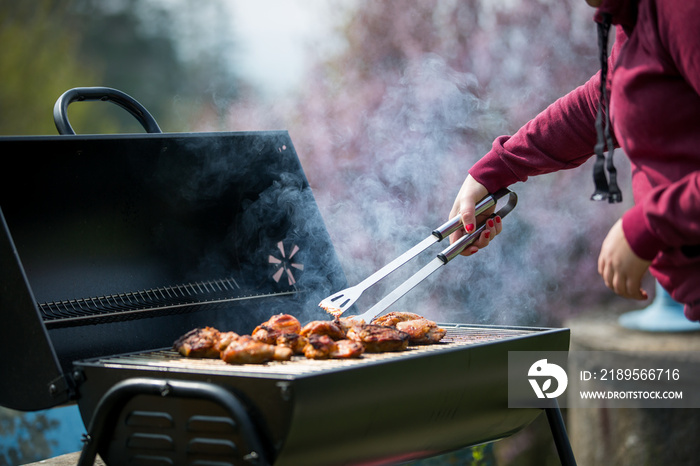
560	137
669	217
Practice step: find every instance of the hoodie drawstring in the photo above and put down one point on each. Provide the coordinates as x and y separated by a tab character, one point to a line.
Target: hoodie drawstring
604	188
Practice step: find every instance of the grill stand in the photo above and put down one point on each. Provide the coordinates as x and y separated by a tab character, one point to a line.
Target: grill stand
116	398
561	438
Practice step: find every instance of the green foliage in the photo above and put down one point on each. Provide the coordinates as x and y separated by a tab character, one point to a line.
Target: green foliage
39	62
135	46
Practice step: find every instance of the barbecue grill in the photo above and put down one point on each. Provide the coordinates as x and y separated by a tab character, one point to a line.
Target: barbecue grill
112	246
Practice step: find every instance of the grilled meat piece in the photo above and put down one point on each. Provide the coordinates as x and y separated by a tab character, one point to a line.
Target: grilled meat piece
346	323
319	347
347	349
265	335
248	350
421	331
392	318
199	343
277	325
225	339
378	338
323	327
324	347
294	341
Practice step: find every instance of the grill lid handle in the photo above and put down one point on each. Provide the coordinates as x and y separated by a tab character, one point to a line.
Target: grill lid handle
80	94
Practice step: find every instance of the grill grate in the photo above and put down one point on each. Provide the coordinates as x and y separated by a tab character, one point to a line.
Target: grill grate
457	336
157	301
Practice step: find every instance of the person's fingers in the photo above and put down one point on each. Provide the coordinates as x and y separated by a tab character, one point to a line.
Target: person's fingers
468	218
634	289
469	195
607	274
621	269
626	286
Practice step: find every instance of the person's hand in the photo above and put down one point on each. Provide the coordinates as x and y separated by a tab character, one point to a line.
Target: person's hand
469	194
621	269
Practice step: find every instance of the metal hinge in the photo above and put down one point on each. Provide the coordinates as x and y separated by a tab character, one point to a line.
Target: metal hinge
61	386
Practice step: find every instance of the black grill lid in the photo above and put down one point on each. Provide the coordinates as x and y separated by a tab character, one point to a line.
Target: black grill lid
121	243
24	341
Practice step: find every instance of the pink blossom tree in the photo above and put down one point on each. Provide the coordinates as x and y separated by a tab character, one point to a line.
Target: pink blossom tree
388	127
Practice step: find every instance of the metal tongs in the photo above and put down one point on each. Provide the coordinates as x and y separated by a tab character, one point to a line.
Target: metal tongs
338	303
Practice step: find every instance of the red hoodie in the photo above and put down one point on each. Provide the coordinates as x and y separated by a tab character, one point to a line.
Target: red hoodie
655	111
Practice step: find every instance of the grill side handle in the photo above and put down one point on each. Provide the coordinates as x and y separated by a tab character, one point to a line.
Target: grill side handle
111	404
80	94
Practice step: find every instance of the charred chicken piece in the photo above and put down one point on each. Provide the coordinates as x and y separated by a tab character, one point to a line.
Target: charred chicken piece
248	350
319	347
347	349
323	327
294	341
346	323
378	338
277	325
225	339
199	343
422	331
392	318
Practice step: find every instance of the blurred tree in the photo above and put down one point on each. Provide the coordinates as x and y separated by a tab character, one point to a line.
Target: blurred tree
137	46
39	62
160	53
388	127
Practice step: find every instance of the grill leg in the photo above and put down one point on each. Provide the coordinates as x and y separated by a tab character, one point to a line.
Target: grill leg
561	438
115	399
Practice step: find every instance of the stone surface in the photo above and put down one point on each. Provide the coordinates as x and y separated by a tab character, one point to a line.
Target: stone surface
632	436
70	459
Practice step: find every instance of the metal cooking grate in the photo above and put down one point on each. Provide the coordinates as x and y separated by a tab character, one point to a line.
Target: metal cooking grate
458	336
157	301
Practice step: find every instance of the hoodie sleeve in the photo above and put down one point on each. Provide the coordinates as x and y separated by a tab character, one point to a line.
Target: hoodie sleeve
560	137
669	215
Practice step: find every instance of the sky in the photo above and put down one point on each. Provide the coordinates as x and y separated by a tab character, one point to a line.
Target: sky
276	39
